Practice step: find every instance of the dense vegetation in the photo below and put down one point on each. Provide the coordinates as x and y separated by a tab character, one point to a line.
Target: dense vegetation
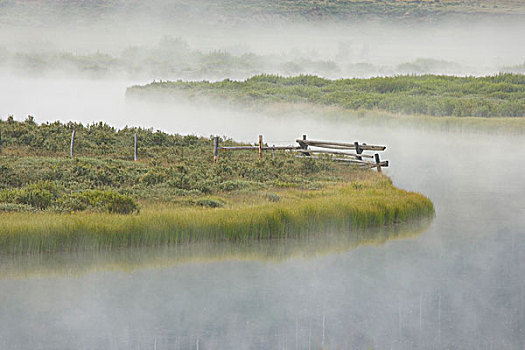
501	95
183	196
35	170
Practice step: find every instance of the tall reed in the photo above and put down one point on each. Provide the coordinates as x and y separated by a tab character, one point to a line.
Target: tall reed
343	208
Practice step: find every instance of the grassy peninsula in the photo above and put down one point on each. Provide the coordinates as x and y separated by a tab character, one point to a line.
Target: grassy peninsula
501	95
102	199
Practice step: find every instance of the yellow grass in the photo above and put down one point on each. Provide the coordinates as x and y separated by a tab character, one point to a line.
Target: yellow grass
343	207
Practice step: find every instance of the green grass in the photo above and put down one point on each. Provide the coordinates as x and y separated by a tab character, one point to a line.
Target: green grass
502	95
346	207
51	203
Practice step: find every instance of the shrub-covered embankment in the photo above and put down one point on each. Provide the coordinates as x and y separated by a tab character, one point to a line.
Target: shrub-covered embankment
101	199
501	95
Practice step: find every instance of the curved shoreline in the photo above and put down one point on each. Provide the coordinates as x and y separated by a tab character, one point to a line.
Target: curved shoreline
342	208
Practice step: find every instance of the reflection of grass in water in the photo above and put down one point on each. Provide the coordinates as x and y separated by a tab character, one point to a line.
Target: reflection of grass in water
350	207
308	246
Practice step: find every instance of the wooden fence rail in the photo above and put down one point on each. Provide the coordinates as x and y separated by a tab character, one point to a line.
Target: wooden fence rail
319	148
74	138
306	148
341	145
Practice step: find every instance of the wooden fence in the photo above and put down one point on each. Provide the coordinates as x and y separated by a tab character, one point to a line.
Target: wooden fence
351	153
72	145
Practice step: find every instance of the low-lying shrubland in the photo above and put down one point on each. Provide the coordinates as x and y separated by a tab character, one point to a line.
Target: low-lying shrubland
175	193
501	95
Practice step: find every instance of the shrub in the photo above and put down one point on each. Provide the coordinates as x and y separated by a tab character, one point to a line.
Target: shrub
15	208
210	203
309	166
39	195
232	185
36	197
153	177
98	200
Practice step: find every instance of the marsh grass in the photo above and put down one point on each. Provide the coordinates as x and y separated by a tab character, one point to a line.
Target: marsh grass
183	196
298	212
449	100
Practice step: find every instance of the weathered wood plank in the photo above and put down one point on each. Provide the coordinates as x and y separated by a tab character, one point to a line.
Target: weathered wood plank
260	147
358	149
363	146
378	163
216	149
321	151
135	153
72	148
250	148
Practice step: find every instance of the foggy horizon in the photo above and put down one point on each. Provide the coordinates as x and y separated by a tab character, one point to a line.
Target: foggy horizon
456	284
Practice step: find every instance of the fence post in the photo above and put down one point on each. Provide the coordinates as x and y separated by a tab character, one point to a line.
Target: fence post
358	150
303	143
135	154
260	146
72	149
0	141
378	163
273	151
216	149
304	146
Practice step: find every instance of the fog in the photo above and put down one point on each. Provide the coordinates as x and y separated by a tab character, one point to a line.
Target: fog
458	285
145	49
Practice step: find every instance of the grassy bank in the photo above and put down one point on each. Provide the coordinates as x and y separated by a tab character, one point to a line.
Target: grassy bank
300	211
501	95
175	194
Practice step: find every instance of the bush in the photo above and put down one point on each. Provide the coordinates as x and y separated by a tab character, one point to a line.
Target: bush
309	166
97	200
15	208
232	185
35	197
210	203
153	177
40	195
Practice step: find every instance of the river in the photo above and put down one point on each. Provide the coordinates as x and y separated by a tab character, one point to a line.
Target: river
458	285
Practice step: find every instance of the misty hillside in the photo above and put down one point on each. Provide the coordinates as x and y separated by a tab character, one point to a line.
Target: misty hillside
229	12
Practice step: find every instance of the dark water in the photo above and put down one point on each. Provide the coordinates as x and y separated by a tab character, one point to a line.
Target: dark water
458	285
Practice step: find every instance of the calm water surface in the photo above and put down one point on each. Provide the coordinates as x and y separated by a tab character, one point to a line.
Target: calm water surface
458	285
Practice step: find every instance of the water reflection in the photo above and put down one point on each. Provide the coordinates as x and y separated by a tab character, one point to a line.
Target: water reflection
309	246
459	285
